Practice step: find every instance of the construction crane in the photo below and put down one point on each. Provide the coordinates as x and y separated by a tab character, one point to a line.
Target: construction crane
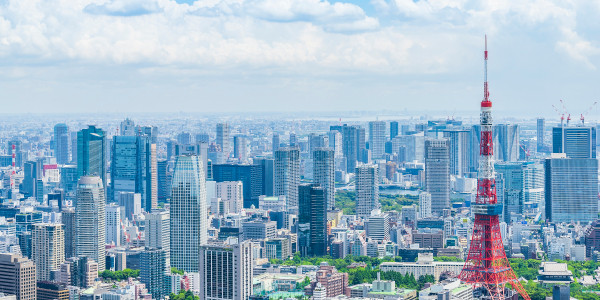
526	150
562	116
587	112
565	111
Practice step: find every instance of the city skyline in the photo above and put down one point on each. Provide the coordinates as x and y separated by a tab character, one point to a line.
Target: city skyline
171	56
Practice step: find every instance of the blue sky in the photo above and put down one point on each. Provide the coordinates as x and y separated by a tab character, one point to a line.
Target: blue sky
288	55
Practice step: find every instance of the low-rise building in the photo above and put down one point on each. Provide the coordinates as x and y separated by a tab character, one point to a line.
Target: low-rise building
424	266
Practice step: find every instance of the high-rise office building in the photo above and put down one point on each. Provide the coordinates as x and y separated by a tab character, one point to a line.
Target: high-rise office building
127	127
226	271
367	189
68	220
312	220
231	194
251	177
90	220
158	232
268	174
223	137
424	205
163	179
275	142
48	250
393	129
377	139
240	148
287	175
61	143
133	169
184	138
293	140
335	143
317	141
17	276
188	213
353	144
202	138
79	271
113	224
378	226
575	142
91	153
437	173
541	134
571	189
324	173
521	188
459	150
131	204
508	142
153	272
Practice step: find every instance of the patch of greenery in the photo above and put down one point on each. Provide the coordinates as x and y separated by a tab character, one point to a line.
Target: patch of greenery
176	271
119	275
447	258
183	295
346	201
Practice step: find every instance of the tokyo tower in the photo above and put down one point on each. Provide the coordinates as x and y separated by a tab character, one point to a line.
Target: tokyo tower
487	267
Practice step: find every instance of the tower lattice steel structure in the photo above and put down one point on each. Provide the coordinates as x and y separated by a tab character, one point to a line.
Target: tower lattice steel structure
487	266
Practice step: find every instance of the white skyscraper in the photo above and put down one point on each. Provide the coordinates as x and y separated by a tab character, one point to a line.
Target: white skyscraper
223	137
48	251
90	220
188	213
335	143
367	190
424	205
377	139
113	224
324	173
158	233
226	272
437	173
287	175
231	194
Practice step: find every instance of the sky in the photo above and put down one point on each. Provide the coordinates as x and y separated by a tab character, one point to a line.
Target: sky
86	56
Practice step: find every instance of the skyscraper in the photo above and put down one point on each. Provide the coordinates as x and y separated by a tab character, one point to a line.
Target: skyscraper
226	271
335	143
353	143
223	137
251	177
393	129
437	173
571	189
61	143
576	142
113	224
268	174
312	220
377	138
153	272
127	127
541	133
240	148
287	175
163	179
158	234
69	221
459	150
188	213
507	147
90	220
17	276
324	173
91	152
134	169
424	205
47	249
276	142
367	189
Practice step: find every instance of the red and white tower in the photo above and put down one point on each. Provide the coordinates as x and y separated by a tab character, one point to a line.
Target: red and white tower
486	266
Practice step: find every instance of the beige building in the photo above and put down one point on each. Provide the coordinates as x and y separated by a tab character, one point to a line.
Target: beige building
48	251
17	276
424	266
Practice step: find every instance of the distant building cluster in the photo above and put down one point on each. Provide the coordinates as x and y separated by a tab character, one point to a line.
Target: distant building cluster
127	211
